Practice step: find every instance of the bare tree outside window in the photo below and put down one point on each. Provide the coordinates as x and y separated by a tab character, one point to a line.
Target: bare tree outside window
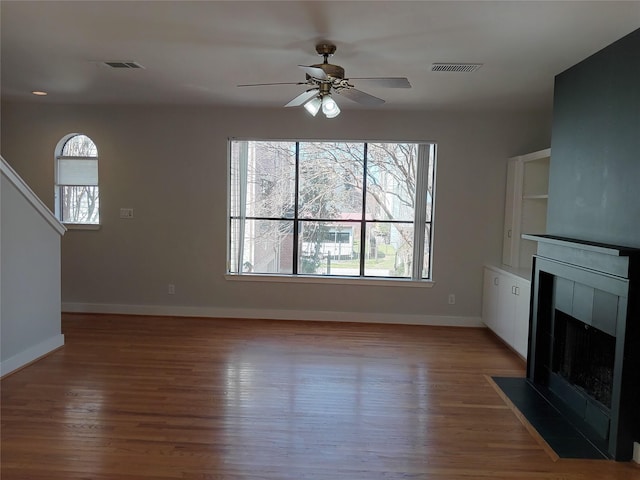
79	146
331	208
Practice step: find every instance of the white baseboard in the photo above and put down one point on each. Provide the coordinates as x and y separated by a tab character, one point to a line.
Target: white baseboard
30	354
213	312
636	452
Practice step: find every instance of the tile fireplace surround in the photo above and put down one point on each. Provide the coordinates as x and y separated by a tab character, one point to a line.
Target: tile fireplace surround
584	351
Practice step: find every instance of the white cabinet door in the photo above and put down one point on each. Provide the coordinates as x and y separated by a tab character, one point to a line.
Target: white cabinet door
505	307
521	327
490	298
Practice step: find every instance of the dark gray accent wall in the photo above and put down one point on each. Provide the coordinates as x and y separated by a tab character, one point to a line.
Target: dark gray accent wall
594	184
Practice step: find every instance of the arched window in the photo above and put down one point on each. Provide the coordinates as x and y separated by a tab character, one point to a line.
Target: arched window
77	191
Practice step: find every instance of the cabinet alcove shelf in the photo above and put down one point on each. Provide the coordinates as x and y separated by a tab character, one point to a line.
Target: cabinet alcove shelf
525	206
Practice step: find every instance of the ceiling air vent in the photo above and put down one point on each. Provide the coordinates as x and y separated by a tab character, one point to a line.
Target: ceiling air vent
123	64
455	67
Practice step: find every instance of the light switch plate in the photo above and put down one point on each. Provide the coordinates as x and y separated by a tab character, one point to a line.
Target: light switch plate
126	213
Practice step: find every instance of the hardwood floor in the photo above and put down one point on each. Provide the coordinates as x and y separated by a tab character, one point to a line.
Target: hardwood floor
177	398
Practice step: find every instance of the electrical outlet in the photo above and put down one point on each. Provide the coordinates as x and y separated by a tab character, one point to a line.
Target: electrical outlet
171	289
636	452
452	299
126	213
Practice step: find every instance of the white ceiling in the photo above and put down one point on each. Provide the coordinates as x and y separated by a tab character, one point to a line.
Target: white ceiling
196	52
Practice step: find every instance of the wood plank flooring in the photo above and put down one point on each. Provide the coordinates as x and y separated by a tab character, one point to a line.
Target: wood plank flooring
181	398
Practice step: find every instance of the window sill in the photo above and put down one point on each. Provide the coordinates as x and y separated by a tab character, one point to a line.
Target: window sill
370	282
82	226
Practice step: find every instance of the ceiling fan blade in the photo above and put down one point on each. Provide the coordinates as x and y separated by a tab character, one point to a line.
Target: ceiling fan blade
315	72
263	84
303	98
360	96
387	82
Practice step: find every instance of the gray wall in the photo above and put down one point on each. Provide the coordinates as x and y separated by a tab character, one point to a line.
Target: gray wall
169	164
594	191
594	187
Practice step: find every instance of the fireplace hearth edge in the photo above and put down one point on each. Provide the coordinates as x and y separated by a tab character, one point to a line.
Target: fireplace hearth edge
596	285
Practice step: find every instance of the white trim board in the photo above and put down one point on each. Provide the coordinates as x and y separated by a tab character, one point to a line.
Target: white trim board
308	315
31	354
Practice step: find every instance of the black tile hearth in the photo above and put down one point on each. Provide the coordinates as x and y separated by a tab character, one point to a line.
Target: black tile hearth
565	440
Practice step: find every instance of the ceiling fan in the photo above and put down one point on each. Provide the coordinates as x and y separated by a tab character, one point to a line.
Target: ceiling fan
325	79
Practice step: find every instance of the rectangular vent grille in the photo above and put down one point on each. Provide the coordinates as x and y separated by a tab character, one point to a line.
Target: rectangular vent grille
123	64
455	67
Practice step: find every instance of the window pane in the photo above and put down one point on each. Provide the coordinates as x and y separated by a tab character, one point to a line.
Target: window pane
391	181
329	248
234	245
80	204
266	170
265	246
429	193
389	250
331	176
426	261
79	146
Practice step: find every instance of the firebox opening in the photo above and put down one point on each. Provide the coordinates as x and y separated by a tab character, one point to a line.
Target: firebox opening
584	356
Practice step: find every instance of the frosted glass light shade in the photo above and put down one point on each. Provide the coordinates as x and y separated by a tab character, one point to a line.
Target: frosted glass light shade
313	105
330	107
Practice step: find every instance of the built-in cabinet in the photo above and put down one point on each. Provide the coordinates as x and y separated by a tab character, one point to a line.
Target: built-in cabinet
525	206
507	288
505	307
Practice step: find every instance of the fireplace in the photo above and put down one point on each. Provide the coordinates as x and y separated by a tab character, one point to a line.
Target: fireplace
584	342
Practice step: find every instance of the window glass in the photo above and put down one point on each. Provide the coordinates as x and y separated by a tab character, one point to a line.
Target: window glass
79	146
330	176
391	181
329	248
346	209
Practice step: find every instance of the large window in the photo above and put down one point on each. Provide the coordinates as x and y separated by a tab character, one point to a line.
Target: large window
348	209
77	192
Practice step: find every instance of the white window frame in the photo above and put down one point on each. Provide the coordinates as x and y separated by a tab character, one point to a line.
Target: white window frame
426	148
58	195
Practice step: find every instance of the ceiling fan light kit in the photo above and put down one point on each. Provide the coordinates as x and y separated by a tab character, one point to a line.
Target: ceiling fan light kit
326	79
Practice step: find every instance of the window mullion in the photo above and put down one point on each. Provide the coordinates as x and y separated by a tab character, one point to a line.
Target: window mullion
296	229
243	169
420	211
363	222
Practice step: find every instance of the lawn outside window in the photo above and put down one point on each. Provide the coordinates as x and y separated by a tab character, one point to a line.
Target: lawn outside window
331	209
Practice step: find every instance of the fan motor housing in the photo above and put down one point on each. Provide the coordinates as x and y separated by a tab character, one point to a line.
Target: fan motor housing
334	71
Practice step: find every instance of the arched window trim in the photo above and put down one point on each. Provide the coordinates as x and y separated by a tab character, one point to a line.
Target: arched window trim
77	200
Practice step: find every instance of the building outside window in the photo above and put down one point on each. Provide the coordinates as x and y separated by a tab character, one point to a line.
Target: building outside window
77	199
318	208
